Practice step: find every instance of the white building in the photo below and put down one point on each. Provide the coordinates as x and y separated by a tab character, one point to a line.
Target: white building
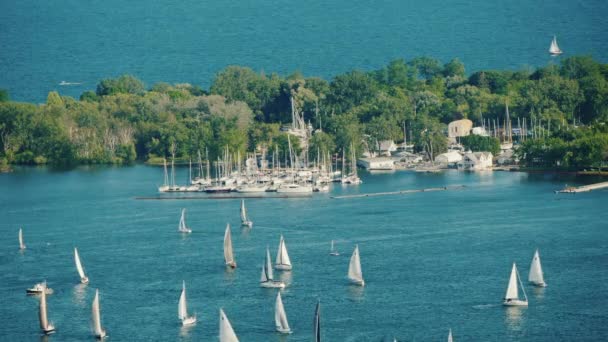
386	147
378	163
448	158
476	161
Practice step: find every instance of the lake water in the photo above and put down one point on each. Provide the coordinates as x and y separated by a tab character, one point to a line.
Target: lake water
431	260
45	42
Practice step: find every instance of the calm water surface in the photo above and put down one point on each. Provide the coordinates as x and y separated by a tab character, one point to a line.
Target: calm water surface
431	260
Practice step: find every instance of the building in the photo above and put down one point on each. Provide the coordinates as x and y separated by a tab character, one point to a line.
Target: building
449	158
386	147
378	163
476	161
459	128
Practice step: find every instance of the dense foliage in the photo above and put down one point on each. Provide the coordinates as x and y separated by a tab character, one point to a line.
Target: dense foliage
481	143
122	120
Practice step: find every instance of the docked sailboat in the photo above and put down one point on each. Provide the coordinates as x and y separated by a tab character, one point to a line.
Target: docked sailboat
512	295
245	221
450	339
182	308
226	332
333	250
21	244
317	323
228	254
45	325
536	276
282	262
280	317
165	187
354	268
554	48
98	331
267	278
183	228
83	278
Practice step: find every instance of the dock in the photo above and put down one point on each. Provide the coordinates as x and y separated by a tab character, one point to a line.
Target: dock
583	188
227	197
400	192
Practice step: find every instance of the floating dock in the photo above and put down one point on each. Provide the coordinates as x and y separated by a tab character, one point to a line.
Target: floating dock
401	192
583	188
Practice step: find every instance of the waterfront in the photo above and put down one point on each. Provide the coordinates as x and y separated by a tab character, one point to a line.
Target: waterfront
431	260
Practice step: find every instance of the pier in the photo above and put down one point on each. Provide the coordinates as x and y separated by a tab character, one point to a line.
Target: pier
400	192
583	188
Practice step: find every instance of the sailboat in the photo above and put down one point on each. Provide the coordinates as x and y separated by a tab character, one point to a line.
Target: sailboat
99	332
554	49
450	336
165	186
317	322
45	326
182	308
280	317
182	223
226	332
21	244
282	261
228	254
333	251
83	278
536	272
512	295
245	222
266	279
354	268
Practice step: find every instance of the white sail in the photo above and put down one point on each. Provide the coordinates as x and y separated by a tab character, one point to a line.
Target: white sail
536	272
182	306
354	268
226	332
554	48
450	336
268	265
317	323
96	315
42	314
280	317
228	254
282	261
182	222
21	244
79	265
243	212
512	292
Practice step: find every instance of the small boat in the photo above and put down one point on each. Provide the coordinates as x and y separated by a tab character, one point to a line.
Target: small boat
282	261
554	49
245	221
450	336
83	278
21	244
228	254
39	288
98	331
280	317
267	279
536	272
354	268
294	188
246	188
317	322
183	228
182	308
226	332
217	189
512	295
45	325
333	251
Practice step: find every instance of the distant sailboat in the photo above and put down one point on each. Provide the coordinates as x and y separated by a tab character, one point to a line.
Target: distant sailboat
182	308
21	244
333	251
228	254
554	48
45	326
39	288
280	317
354	268
245	222
512	295
450	336
267	279
317	322
226	332
96	315
83	277
536	272
165	186
282	261
183	228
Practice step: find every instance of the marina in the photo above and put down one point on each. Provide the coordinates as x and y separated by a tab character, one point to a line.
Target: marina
583	188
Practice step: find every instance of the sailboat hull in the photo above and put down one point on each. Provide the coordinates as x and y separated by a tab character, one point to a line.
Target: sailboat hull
231	264
50	329
357	282
247	224
283	331
543	284
84	280
189	320
272	284
282	267
515	302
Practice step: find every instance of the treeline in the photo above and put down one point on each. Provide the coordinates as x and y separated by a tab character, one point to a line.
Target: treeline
123	121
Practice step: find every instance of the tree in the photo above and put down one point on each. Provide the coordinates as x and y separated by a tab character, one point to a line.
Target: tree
350	90
478	143
4	97
125	84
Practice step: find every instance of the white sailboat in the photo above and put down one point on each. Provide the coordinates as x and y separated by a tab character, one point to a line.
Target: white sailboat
83	278
45	325
450	336
280	317
39	288
183	228
512	295
317	322
536	272
554	48
96	316
333	251
226	332
182	308
354	268
282	262
21	244
228	254
267	278
245	222
165	186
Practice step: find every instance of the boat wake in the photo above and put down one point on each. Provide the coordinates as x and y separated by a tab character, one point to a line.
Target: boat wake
64	83
485	306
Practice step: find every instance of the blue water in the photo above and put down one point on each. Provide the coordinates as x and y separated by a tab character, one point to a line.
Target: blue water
431	260
45	42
